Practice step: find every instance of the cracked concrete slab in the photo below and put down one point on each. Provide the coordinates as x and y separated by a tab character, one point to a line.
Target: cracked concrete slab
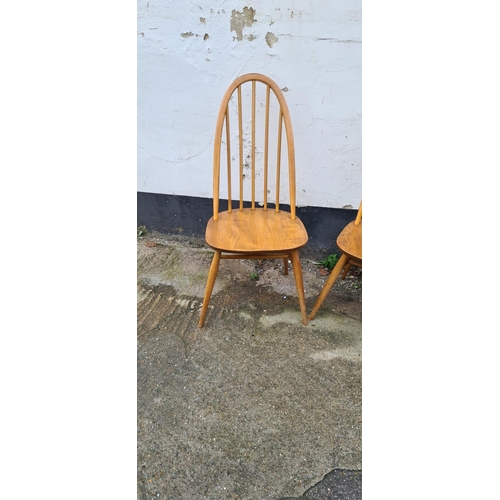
254	405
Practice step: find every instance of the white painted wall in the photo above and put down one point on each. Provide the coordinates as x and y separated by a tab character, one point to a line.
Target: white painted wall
187	57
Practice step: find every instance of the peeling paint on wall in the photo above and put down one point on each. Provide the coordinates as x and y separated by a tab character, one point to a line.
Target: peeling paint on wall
271	39
203	58
189	34
241	19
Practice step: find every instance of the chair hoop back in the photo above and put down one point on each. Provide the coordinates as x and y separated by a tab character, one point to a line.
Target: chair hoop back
359	215
260	108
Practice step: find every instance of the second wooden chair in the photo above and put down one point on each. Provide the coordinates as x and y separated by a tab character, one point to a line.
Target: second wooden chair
350	243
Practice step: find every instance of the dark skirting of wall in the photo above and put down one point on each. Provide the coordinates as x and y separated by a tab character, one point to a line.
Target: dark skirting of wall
188	215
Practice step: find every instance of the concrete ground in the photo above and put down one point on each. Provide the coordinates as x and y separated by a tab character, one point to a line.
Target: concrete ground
254	405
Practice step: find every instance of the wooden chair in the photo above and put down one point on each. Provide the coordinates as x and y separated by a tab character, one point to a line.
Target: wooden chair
256	227
350	243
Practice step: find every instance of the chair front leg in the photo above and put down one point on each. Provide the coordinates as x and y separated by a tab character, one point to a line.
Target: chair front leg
212	274
329	283
297	271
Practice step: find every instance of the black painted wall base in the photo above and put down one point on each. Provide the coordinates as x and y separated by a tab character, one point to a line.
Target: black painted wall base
188	215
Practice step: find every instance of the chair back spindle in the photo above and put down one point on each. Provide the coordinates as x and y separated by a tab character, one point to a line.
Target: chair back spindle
228	156
240	138
253	144
266	146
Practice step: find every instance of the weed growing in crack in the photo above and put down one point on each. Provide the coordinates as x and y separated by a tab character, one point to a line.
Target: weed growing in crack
329	262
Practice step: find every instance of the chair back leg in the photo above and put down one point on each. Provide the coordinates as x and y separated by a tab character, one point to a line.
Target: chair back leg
346	270
285	265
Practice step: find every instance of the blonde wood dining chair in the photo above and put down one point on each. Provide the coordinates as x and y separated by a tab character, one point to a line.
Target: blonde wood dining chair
350	243
256	227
